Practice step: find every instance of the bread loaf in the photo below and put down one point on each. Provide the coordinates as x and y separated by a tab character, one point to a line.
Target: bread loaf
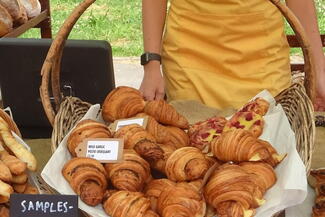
16	10
33	7
5	21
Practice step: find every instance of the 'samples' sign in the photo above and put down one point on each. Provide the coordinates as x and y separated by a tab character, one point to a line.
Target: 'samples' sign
43	205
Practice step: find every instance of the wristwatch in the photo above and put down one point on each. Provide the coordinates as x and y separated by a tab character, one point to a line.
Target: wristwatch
147	57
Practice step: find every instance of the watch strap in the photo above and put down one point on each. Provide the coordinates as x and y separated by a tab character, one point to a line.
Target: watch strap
147	57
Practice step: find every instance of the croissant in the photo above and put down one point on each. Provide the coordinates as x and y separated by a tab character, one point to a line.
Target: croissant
232	183
202	133
137	138
154	189
165	114
15	165
232	209
122	102
127	204
263	174
238	146
185	164
274	159
259	106
319	207
131	174
248	121
86	129
181	200
88	178
166	134
161	163
177	137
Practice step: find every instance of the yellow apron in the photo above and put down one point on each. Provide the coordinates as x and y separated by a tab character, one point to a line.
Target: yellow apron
223	52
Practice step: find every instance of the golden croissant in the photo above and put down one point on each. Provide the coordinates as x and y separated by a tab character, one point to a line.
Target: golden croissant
202	133
165	113
137	138
263	174
185	164
131	174
122	102
84	130
160	164
166	134
232	209
238	146
177	137
127	204
181	201
154	189
274	159
319	206
232	183
88	178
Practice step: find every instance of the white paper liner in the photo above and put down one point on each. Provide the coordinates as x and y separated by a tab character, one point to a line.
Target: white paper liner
289	190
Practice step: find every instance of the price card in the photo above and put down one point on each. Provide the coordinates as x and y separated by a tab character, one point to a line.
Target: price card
43	205
142	121
103	150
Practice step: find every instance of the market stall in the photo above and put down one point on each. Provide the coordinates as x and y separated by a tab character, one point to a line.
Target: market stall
130	157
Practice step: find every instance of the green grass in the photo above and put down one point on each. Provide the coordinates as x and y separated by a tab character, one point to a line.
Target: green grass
119	22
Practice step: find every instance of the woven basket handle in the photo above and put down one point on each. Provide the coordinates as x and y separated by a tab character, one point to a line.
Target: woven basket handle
309	67
52	62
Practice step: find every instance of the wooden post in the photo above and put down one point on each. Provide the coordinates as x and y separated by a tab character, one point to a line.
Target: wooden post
45	25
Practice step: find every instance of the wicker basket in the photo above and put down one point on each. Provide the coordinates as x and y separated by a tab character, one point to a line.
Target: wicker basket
296	100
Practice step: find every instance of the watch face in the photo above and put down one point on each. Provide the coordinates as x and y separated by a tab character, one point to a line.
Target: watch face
144	58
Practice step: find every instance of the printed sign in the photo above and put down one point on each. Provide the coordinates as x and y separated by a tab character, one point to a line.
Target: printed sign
43	205
124	122
103	150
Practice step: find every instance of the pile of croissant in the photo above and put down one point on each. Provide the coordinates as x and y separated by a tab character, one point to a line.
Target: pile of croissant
172	168
319	186
17	12
15	161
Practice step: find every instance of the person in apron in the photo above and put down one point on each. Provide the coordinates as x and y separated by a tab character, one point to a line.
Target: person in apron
219	52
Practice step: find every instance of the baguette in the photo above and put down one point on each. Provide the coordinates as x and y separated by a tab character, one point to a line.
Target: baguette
5	191
18	149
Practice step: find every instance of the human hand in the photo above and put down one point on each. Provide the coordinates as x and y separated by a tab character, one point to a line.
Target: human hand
152	86
320	89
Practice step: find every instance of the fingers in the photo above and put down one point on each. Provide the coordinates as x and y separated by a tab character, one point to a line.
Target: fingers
319	104
160	93
150	93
